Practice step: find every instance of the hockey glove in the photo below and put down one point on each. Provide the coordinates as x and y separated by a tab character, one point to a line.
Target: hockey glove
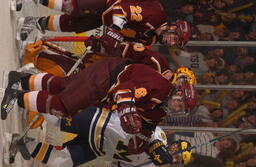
94	42
158	152
110	40
130	119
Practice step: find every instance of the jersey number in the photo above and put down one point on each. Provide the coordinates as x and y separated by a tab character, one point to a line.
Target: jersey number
136	13
122	152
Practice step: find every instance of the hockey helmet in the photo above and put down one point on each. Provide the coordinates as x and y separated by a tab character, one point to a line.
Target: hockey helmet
181	29
183	149
184	73
182	100
184	32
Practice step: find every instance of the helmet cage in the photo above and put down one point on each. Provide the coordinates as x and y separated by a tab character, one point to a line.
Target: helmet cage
170	31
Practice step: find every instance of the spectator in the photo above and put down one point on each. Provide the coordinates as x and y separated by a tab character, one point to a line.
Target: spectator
221	77
221	149
199	63
217	115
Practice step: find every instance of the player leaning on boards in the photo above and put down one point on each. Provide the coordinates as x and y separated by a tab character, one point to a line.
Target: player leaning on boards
98	132
143	21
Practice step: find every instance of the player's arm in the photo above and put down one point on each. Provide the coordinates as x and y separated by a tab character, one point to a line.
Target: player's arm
113	37
158	148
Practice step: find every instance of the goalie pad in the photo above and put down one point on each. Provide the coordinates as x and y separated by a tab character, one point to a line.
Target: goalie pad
30	117
50	58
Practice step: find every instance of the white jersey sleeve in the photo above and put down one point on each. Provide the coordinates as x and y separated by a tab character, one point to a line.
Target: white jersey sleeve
117	141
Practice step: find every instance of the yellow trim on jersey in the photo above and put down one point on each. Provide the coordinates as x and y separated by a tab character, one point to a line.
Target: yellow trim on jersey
125	99
119	15
108	10
126	44
150	26
156	100
101	124
157	64
122	91
145	119
98	129
117	7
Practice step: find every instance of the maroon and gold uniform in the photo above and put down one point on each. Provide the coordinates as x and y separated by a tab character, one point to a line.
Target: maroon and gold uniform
55	63
142	19
137	19
103	82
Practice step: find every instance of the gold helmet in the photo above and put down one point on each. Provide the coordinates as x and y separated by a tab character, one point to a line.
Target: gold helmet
186	155
182	147
186	73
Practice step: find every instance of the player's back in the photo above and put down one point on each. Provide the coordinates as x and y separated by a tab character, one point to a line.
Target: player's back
143	18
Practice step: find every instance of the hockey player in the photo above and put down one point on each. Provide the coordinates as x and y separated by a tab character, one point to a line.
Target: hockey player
98	133
141	21
135	90
54	60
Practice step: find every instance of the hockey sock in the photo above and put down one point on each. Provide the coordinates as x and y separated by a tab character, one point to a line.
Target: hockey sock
44	81
54	23
49	154
25	82
44	2
43	102
40	151
21	99
53	4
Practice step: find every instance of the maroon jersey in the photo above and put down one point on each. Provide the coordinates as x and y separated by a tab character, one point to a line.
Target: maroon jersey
142	55
143	86
143	18
106	79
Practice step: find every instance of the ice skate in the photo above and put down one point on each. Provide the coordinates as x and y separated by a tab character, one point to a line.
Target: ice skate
10	97
36	2
10	94
18	144
26	25
16	5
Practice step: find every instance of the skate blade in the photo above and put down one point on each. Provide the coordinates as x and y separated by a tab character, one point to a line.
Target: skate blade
7	158
6	108
19	25
15	7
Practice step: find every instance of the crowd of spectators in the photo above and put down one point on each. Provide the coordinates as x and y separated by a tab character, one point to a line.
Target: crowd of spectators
219	20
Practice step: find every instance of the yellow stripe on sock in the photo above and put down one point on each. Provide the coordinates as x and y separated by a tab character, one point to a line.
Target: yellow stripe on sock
26	101
32	82
42	152
51	4
51	23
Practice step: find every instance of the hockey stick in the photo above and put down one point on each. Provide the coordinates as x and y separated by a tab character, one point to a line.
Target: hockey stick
25	154
199	145
87	50
34	119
